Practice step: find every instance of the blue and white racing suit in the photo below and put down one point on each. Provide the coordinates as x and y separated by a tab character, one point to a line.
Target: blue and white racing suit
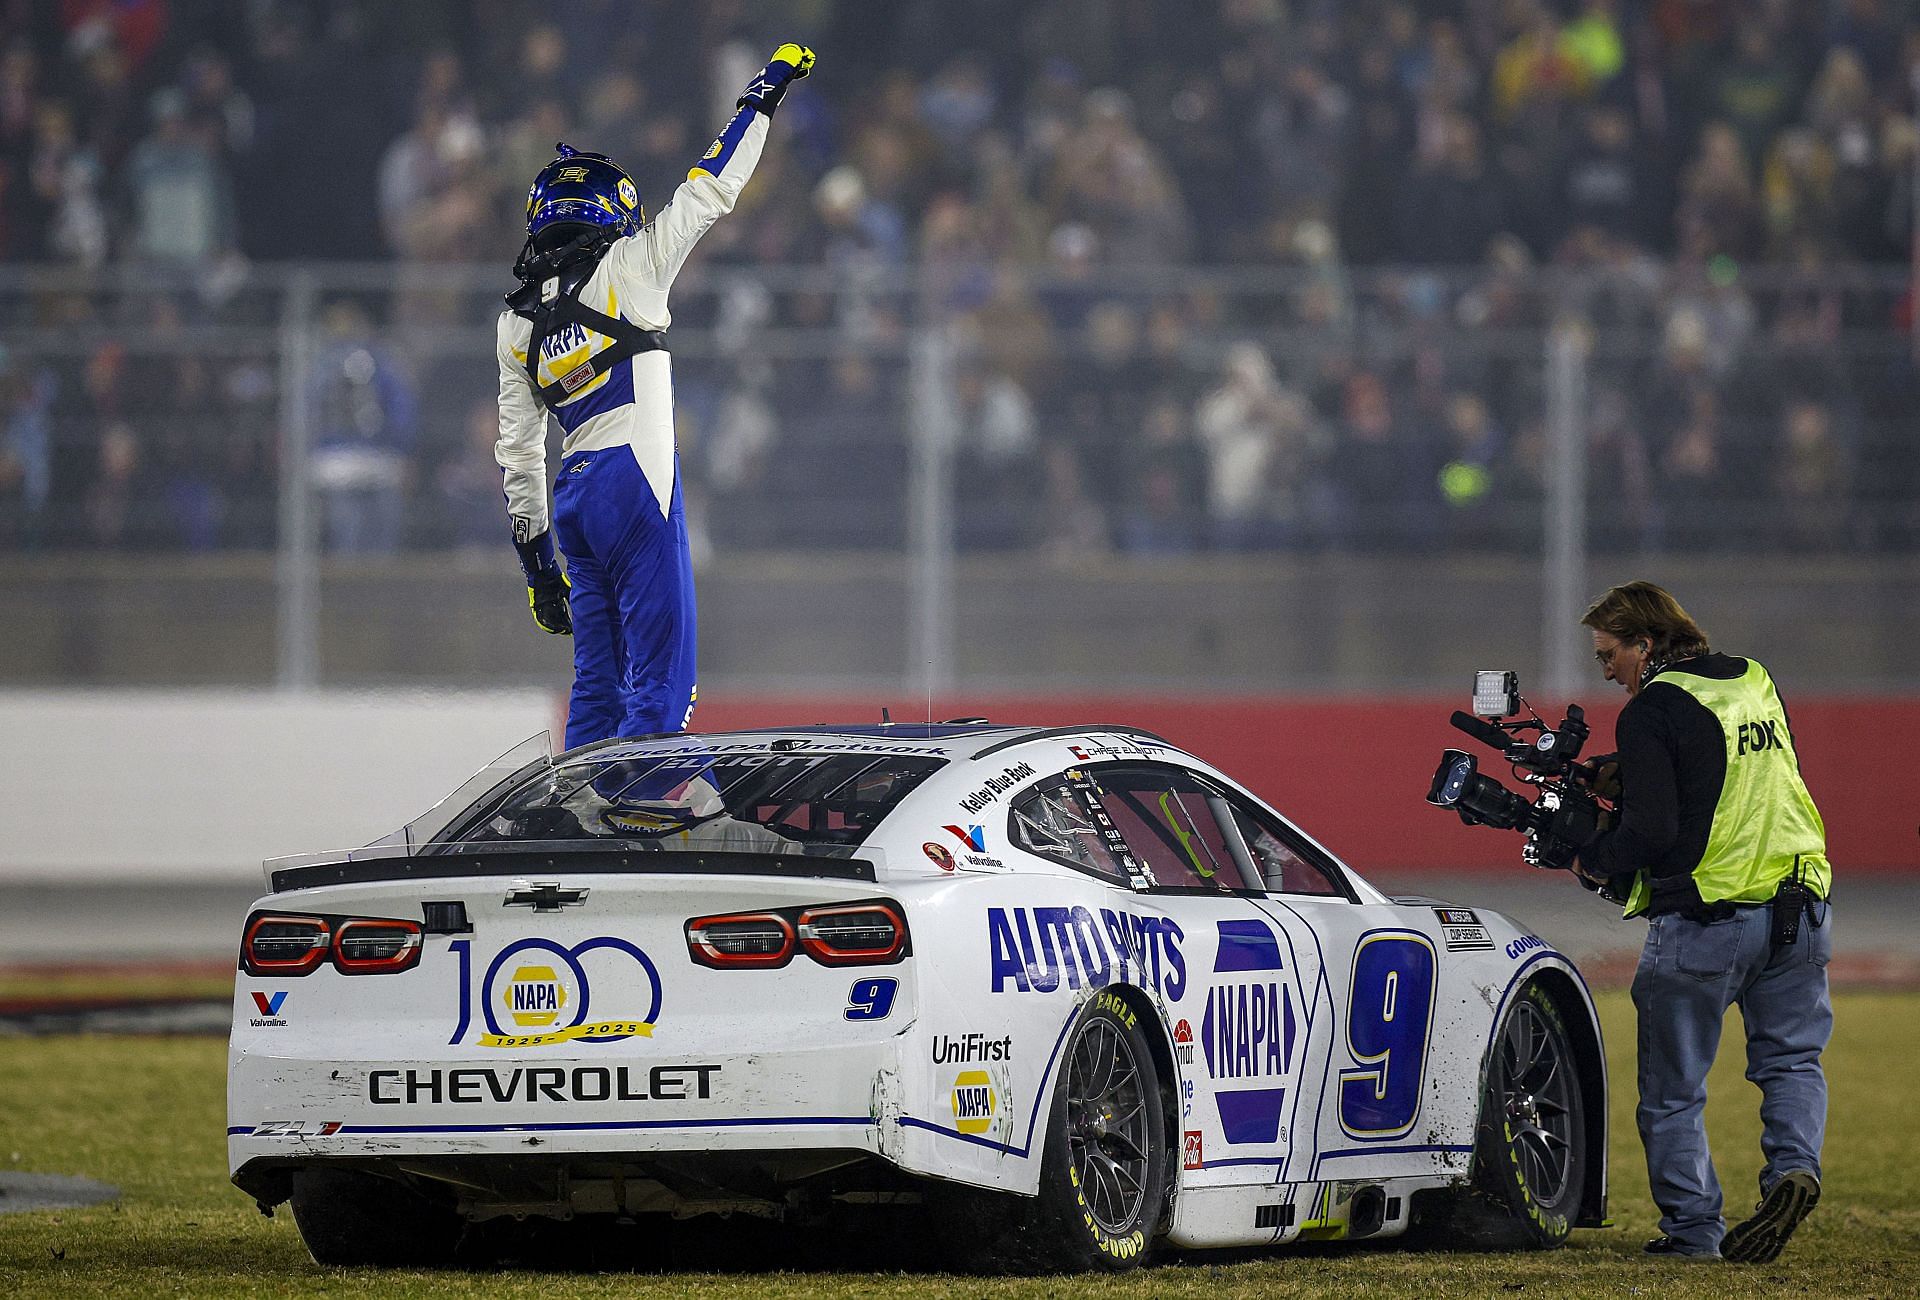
618	515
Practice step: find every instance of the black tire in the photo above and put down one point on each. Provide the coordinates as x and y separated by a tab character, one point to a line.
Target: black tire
1104	1168
349	1218
1530	1149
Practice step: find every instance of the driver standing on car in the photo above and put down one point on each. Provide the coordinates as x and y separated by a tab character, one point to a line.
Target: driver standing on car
1719	845
584	337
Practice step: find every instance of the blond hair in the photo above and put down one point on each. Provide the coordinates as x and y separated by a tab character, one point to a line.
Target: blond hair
1636	610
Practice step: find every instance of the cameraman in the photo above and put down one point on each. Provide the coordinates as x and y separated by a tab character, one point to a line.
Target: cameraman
1719	845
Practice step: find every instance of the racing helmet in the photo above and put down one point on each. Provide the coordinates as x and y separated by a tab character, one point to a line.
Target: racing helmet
579	189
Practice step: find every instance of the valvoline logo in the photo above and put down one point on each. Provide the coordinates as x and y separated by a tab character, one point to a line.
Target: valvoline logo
1247	1032
269	1003
974	837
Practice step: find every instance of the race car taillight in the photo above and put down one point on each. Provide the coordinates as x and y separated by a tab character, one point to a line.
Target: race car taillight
868	932
753	940
856	935
362	946
285	945
280	944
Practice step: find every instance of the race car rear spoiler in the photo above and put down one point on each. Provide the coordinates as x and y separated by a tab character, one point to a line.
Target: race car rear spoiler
397	865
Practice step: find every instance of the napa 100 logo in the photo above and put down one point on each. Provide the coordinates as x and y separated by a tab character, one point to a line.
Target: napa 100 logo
536	992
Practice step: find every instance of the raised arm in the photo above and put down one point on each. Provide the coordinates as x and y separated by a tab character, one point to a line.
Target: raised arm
714	182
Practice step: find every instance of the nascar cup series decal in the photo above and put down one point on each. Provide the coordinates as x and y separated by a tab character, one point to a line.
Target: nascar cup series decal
1247	1031
537	991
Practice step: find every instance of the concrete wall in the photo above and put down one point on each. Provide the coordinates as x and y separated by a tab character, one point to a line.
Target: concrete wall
178	786
204	785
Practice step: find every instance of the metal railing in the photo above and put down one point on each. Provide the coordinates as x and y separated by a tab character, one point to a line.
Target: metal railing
1165	417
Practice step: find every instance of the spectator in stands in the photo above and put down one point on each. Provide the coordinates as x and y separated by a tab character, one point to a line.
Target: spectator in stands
1240	426
996	458
1371	470
1718	213
1756	92
183	201
366	421
466	486
26	449
1811	475
1163	498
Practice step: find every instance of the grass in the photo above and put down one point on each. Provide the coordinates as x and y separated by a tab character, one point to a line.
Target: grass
30	985
148	1116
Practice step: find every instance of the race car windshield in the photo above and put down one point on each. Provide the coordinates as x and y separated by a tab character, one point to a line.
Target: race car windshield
820	803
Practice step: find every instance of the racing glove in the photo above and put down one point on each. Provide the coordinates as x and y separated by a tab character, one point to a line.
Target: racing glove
789	63
547	585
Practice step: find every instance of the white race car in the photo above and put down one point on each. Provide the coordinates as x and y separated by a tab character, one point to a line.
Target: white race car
1074	991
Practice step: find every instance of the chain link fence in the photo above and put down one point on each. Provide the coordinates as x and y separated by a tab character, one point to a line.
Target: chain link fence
894	469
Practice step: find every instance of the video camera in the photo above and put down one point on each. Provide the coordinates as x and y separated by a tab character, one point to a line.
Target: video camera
1565	817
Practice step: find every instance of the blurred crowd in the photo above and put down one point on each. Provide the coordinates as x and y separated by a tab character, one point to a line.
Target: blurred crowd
1203	276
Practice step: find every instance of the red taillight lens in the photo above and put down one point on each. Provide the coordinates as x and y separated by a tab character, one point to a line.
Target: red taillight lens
741	940
285	945
852	936
376	947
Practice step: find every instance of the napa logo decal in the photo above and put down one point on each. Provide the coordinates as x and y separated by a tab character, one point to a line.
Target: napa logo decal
1247	1032
537	991
975	1102
535	996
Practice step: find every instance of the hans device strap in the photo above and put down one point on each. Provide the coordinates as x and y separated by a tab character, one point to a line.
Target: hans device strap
551	305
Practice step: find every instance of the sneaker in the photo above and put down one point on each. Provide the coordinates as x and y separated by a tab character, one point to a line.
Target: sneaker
1760	1239
1669	1248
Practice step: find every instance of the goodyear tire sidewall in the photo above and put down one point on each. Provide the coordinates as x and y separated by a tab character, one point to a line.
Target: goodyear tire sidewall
1087	1243
1543	1224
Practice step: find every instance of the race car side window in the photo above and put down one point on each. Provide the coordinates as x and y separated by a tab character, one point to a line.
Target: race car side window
1176	826
1288	867
1052	820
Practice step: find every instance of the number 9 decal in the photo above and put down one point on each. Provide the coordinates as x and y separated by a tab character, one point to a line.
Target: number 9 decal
1389	1017
871	999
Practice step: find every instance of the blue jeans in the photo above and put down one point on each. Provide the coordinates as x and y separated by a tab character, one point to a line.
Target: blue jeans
1689	975
632	598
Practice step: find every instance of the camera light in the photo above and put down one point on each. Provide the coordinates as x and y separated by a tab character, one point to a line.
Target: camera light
1496	693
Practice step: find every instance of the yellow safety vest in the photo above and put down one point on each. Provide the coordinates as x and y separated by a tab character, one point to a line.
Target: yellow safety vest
1765	821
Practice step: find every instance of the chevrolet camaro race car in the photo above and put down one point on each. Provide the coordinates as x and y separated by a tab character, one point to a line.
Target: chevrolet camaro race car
1074	992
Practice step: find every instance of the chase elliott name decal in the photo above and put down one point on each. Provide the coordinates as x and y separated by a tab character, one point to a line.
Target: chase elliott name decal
536	992
1247	1032
1038	949
480	1084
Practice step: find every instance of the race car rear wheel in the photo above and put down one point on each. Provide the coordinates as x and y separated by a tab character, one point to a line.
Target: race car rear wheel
1530	1154
1104	1170
349	1218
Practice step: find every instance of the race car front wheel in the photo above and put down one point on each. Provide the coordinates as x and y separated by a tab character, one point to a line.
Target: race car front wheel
1104	1170
1530	1146
1530	1155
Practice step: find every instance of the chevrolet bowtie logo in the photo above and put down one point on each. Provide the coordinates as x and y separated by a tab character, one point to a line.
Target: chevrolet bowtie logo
543	895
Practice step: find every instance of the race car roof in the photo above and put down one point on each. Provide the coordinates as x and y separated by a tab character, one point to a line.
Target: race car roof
905	737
